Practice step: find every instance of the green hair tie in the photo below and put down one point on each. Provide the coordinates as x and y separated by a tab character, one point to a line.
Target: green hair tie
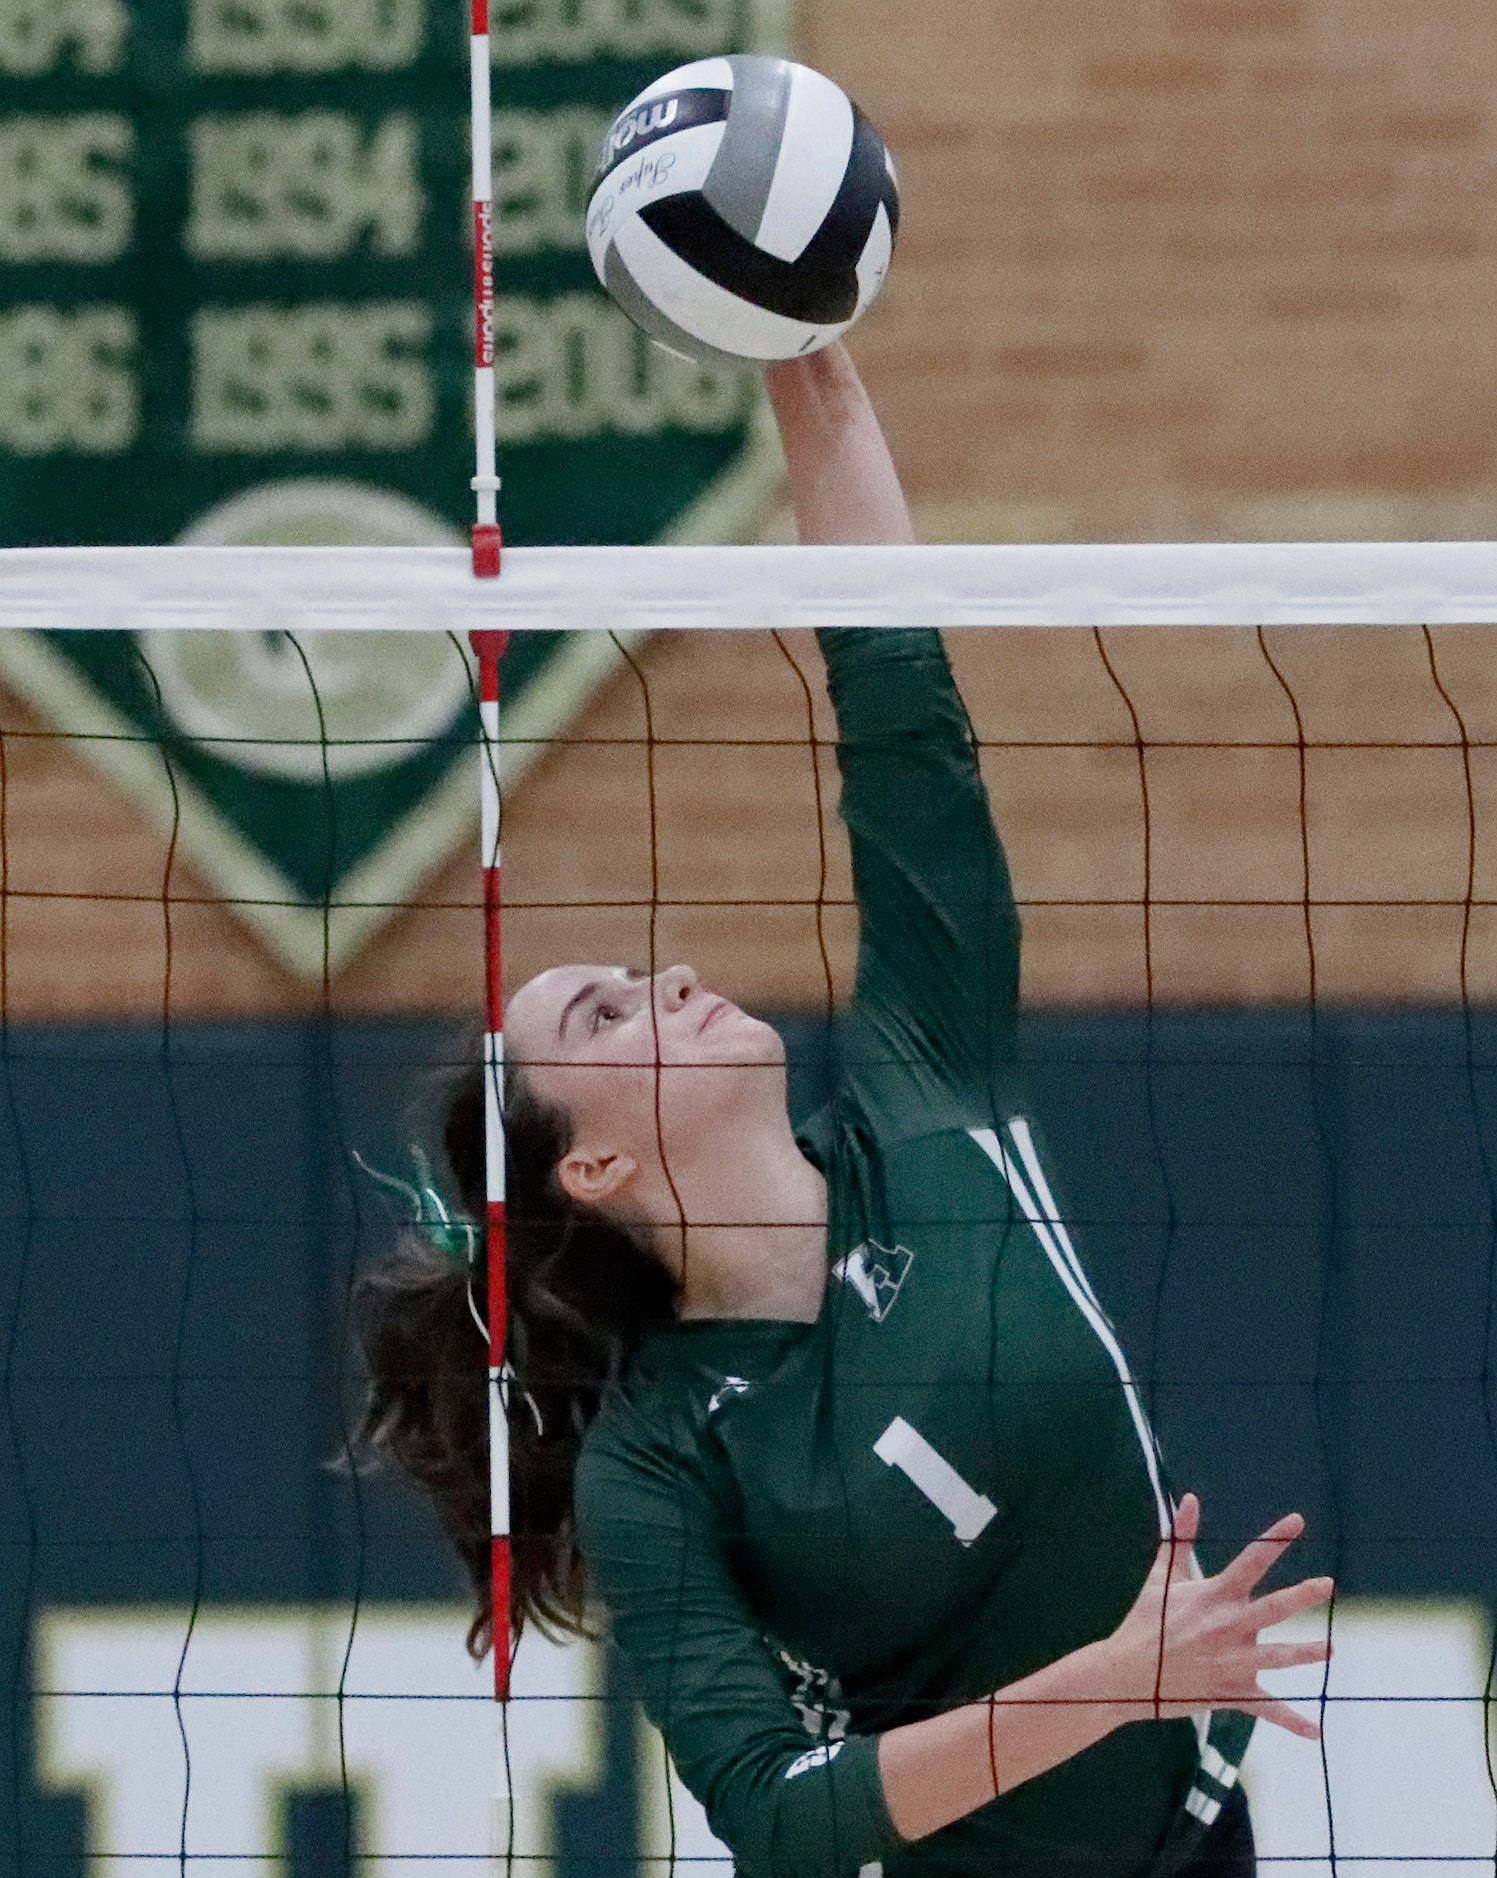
455	1238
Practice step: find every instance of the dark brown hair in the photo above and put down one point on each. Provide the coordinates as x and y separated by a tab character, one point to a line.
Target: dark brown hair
581	1294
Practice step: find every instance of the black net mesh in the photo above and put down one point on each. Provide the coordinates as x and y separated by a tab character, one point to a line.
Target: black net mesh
1257	1037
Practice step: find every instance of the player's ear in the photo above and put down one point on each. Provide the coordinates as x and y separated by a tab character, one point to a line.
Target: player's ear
592	1178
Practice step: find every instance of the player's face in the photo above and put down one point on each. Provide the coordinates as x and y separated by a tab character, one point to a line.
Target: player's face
638	1061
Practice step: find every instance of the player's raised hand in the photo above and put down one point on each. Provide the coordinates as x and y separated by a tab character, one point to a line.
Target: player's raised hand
1191	1643
843	483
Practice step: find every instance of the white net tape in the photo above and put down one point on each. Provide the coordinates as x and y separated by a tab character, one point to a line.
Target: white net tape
642	589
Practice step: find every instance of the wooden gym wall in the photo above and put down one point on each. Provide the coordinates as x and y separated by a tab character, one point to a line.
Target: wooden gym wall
1171	269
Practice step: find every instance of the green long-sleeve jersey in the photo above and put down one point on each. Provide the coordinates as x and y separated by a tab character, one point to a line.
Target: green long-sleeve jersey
806	1534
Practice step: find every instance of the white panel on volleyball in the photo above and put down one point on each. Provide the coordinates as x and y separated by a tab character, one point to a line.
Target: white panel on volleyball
642	589
709	312
873	262
814	150
700	75
650	177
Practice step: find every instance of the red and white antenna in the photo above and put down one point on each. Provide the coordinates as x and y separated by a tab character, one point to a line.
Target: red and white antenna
486	538
489	646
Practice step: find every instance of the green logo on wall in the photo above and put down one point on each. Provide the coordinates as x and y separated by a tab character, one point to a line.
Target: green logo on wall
316	779
235	306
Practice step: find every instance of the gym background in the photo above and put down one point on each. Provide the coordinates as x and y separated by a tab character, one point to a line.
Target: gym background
1193	269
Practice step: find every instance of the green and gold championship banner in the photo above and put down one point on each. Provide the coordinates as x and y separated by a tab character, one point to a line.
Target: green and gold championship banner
236	306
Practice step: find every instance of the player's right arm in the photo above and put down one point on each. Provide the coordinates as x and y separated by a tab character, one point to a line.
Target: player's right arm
938	932
843	484
938	962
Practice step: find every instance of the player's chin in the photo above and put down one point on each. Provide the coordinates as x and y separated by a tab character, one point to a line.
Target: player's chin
737	1037
736	1057
732	1043
726	1034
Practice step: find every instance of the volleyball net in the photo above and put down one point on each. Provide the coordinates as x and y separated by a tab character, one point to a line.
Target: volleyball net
1245	793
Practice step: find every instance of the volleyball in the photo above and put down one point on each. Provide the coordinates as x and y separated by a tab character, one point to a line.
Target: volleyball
744	211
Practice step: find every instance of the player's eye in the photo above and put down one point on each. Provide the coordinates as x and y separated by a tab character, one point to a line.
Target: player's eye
604	1013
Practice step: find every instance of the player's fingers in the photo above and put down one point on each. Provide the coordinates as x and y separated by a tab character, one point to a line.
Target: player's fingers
1292	1601
1283	1716
1184	1528
1187	1521
1255	1558
1169	1562
1292	1655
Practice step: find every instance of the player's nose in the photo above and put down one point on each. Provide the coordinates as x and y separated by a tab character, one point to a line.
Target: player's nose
674	987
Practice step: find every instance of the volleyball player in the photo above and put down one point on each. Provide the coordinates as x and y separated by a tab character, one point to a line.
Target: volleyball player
830	1424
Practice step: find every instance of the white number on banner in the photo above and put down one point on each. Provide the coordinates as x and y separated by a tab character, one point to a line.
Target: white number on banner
66	382
575	367
62	197
321	377
543	175
1404	1771
305	184
529	32
261	1722
304	35
35	35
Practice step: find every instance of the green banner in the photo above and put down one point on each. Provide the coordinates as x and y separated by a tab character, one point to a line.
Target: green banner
236	306
235	249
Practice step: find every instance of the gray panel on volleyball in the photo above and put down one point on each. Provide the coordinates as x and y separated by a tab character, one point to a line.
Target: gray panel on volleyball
742	173
625	290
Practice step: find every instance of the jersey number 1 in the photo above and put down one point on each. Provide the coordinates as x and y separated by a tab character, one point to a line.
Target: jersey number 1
907	1449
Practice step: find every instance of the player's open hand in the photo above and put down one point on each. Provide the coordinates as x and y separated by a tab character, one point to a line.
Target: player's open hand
1191	1643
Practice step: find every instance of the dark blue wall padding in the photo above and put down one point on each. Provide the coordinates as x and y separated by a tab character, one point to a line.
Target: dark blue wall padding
1290	1219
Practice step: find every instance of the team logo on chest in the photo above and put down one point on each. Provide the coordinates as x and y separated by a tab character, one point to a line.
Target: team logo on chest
876	1274
732	1385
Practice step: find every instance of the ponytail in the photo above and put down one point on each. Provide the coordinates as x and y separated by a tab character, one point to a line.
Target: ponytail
581	1294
